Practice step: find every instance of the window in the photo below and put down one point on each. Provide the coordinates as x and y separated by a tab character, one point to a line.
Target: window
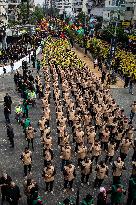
109	2
128	8
108	14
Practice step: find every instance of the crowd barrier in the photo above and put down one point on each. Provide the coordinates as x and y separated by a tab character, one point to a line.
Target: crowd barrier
18	64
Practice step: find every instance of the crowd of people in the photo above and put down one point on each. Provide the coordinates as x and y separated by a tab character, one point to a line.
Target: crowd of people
20	48
91	128
98	125
14	52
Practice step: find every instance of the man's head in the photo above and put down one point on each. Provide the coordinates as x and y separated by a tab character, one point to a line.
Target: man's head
13	184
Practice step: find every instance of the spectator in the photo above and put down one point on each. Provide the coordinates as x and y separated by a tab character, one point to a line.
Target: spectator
13	194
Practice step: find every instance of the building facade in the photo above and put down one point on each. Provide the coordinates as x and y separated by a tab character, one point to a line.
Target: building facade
13	9
65	7
130	13
3	13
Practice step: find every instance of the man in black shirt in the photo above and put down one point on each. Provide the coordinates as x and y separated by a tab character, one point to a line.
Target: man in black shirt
10	134
13	194
8	101
5	182
6	113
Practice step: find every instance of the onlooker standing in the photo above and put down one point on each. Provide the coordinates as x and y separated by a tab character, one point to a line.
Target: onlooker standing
7	113
5	181
132	191
133	111
13	194
10	135
8	101
103	76
12	66
131	82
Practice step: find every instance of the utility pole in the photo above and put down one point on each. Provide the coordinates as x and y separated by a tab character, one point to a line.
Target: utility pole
28	12
44	7
51	9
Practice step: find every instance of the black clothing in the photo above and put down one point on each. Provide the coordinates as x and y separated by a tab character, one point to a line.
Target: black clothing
8	101
101	199
6	114
13	195
49	184
10	135
27	168
5	183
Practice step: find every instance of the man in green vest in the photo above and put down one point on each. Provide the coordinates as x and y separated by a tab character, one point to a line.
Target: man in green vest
88	200
37	200
18	111
25	108
117	193
26	124
132	191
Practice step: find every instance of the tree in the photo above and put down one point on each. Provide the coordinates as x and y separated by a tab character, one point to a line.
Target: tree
37	15
23	13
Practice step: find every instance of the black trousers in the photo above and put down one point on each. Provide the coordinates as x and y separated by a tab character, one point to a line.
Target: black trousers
130	200
32	142
66	183
108	158
104	145
83	177
98	182
13	202
11	141
46	162
79	161
96	158
116	179
3	195
123	156
49	185
27	168
7	117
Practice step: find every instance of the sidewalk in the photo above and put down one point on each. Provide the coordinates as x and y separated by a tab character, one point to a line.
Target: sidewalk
87	59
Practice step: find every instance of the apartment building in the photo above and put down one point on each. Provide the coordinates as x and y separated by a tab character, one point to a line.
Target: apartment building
13	9
65	7
113	10
130	13
3	13
49	3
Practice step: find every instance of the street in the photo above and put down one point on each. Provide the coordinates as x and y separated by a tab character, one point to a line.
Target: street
10	158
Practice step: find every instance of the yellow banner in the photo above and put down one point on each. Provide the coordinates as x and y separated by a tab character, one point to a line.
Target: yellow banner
126	23
133	38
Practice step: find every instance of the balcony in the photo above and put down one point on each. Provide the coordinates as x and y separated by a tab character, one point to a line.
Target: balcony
14	2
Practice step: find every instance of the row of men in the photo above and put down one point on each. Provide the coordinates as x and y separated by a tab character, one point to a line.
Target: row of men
112	119
79	111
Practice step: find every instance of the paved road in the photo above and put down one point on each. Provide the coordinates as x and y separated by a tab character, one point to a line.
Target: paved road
10	158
